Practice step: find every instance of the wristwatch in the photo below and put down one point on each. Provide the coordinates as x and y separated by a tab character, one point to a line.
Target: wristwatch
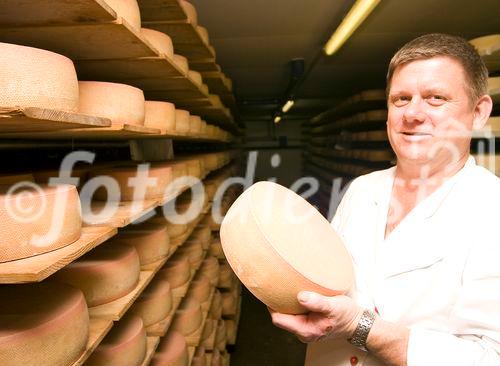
364	326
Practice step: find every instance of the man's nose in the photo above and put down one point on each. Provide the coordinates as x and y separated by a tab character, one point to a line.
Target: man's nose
414	112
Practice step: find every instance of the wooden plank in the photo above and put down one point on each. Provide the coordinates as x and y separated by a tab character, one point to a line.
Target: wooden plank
98	328
175	95
151	345
215	82
28	12
112	40
127	212
161	10
205	65
38	268
32	119
116	309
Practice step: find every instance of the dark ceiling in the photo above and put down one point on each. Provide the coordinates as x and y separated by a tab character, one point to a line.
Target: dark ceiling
256	39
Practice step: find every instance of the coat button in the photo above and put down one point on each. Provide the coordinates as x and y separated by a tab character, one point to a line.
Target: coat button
354	360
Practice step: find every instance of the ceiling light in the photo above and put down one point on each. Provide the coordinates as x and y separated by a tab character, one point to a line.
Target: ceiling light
277	119
358	13
288	105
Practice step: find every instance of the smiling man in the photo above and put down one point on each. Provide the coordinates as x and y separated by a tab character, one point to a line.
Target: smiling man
423	235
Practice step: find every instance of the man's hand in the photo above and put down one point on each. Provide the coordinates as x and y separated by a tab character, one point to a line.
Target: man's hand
328	317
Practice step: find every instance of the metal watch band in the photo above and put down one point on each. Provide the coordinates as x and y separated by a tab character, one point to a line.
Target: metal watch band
360	335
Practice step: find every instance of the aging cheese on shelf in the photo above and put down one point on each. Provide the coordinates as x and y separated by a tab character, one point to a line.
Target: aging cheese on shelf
32	77
226	279
154	303
172	351
203	32
188	317
182	63
203	235
200	290
230	329
216	249
124	345
149	239
190	11
121	103
181	121
271	228
208	330
194	125
160	115
203	129
216	358
105	274
199	358
210	270
196	77
43	324
229	303
215	311
193	251
37	221
160	41
173	230
204	89
176	272
221	335
123	175
128	10
215	100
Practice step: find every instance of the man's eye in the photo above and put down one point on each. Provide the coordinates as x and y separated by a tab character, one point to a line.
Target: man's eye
401	100
436	99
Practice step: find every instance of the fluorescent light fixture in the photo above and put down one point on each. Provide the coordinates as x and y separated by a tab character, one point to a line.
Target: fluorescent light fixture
277	119
358	13
288	105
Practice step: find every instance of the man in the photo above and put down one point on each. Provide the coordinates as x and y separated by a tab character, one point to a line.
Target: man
422	235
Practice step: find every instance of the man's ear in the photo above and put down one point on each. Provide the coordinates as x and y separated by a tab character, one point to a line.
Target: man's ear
482	112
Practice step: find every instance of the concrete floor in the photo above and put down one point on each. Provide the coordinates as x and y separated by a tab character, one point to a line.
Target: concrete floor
260	343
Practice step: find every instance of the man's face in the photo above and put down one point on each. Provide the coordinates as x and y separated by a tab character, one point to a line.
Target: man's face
429	113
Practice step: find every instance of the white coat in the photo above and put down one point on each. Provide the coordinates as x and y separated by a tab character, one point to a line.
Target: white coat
437	273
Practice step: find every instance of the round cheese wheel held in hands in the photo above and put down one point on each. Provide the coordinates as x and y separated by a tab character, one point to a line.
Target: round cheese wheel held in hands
278	245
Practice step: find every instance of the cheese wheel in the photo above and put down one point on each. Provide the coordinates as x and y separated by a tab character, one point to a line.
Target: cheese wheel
190	12
204	89
42	324
194	253
105	274
161	41
203	32
37	220
211	131
216	249
188	317
181	121
203	235
494	89
173	230
208	330
221	335
211	161
200	291
122	104
486	45
180	169
210	270
172	351
215	100
194	125
194	168
182	63
32	77
128	10
230	329
155	302
203	129
215	311
151	241
210	190
226	276
195	76
176	272
216	358
124	345
123	175
229	303
160	115
199	358
268	228
212	50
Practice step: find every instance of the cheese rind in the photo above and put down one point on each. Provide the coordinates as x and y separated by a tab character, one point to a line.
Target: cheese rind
42	324
188	317
160	41
37	221
203	32
155	302
181	121
121	103
176	272
196	77
128	10
160	115
182	63
172	351
105	274
194	125
33	77
190	11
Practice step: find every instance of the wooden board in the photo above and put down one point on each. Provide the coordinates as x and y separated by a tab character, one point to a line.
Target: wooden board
215	82
28	12
151	345
126	213
161	10
38	268
176	95
116	309
98	328
99	41
488	48
194	103
205	65
31	119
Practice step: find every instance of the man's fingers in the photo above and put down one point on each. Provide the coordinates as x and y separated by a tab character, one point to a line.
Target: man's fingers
314	302
291	323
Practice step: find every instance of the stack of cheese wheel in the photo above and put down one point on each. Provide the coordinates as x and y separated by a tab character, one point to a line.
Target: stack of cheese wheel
128	10
124	345
188	317
150	239
174	230
172	351
161	41
180	169
177	273
295	248
204	89
123	175
202	234
216	101
203	32
33	77
229	303
210	132
212	50
210	190
208	333
226	277
200	290
221	335
488	48
122	104
203	129
194	125
209	270
199	358
216	250
211	161
155	302
37	220
216	307
216	358
195	76
181	121
230	330
42	324
182	64
160	115
190	12
193	251
105	274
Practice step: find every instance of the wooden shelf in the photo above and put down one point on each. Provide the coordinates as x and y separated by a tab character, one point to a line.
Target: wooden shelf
215	82
28	12
360	121
161	10
38	268
31	119
494	89
151	345
98	328
488	48
206	65
113	40
126	213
